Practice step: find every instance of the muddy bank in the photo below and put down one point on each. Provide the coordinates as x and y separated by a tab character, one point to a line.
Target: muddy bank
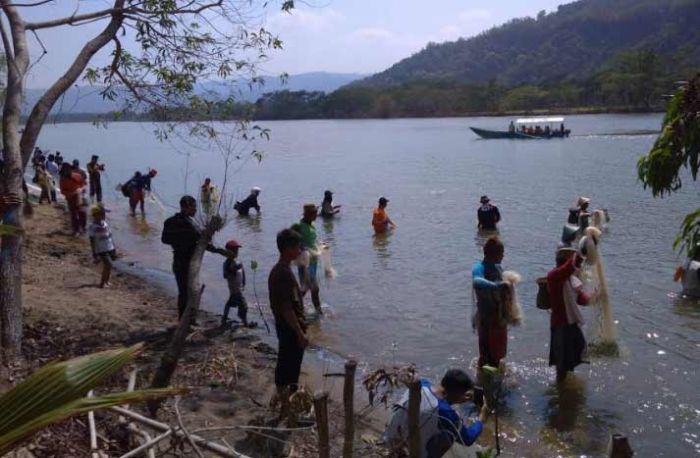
229	372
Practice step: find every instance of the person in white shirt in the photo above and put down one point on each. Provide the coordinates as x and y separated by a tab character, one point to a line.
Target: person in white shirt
102	243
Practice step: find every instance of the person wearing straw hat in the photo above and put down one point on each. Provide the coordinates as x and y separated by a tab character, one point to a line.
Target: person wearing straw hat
102	243
567	344
488	215
243	208
308	263
579	214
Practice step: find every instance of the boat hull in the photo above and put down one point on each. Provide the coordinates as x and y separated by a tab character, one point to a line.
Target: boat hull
492	134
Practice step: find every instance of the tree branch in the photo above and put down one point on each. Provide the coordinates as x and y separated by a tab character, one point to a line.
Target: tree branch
74	18
47	101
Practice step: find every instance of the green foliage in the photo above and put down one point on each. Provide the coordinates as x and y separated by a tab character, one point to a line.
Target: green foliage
56	392
571	44
677	150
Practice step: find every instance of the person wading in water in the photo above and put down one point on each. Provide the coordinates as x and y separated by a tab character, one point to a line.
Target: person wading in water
488	215
487	280
566	344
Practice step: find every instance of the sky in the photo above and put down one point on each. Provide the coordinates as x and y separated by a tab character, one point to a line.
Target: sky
341	36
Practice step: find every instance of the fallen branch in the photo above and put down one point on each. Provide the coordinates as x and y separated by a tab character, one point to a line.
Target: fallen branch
184	430
162	427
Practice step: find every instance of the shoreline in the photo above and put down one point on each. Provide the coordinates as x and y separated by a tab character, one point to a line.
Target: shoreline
228	372
570	111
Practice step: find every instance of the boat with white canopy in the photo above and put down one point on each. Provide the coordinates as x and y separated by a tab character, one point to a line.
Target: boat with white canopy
528	129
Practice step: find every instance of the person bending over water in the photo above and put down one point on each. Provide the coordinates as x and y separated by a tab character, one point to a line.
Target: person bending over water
440	425
251	201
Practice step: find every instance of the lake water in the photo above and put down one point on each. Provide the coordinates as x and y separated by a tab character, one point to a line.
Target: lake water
407	298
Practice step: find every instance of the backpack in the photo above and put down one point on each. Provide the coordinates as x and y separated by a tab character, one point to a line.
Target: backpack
126	189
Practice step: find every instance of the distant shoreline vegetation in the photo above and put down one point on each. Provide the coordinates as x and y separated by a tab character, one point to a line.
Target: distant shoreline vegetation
636	82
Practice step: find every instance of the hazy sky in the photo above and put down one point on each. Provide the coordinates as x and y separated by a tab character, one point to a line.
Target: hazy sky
350	36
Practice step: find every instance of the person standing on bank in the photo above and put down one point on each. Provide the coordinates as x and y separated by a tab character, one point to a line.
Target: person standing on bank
182	233
94	170
234	273
308	271
488	215
567	344
486	281
290	322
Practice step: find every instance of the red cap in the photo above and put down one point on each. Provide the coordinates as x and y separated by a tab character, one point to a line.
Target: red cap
232	245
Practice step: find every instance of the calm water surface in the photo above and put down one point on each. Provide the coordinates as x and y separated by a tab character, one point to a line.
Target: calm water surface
407	297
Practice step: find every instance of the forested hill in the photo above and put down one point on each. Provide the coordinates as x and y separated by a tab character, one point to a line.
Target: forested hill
573	43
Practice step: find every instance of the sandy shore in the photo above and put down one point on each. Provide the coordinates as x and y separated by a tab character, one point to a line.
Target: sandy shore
228	372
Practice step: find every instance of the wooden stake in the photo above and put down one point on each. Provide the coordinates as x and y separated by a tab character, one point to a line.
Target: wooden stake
620	447
414	418
348	403
321	410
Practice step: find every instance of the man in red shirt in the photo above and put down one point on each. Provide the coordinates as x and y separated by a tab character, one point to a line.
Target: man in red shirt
567	344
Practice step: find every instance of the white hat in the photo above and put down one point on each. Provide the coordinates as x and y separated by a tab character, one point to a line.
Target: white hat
583	200
255	189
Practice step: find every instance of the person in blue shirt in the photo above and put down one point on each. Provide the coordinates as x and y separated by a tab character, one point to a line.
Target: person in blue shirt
440	425
489	323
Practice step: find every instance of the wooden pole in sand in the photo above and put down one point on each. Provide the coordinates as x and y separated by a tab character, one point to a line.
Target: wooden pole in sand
620	447
321	410
413	418
348	403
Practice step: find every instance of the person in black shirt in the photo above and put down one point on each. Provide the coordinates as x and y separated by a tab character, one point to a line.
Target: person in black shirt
250	202
488	215
181	232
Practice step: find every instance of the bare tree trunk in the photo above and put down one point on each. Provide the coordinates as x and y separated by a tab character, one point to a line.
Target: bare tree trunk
18	151
17	56
168	362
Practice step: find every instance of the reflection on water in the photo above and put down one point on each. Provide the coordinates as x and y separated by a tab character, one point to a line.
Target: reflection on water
250	222
327	225
570	422
139	225
381	243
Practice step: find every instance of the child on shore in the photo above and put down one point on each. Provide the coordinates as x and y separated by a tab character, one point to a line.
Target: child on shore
234	273
102	243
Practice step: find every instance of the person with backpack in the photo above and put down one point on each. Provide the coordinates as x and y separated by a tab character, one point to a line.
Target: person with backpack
441	427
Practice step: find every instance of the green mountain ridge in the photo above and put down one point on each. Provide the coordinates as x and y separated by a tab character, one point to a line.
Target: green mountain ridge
571	44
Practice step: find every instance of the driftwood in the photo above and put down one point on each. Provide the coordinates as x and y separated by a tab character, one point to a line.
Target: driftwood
163	428
348	403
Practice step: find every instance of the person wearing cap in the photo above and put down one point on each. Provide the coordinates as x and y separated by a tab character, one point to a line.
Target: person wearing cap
94	170
102	243
328	210
380	219
579	214
308	271
487	215
567	344
249	202
689	274
234	273
182	234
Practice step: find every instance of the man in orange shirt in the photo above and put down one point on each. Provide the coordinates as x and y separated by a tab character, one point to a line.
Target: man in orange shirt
380	219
